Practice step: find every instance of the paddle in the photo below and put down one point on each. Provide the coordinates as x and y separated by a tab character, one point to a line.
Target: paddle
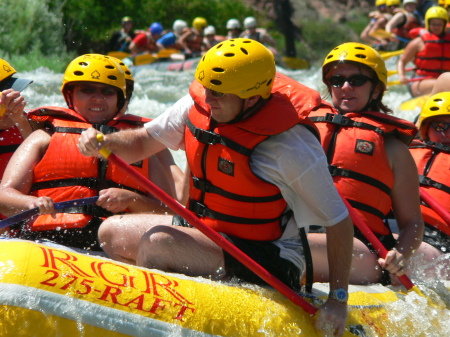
388	54
393	72
414	79
435	206
218	239
412	104
34	211
295	62
119	54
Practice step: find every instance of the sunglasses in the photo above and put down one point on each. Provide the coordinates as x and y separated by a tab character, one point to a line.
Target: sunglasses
338	81
216	93
440	126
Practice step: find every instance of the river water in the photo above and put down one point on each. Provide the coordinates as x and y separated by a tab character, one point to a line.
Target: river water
156	91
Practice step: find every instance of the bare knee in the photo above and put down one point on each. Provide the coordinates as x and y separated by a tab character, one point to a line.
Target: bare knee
155	247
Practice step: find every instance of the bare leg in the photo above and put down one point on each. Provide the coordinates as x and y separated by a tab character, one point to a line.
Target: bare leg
119	235
365	268
182	250
423	87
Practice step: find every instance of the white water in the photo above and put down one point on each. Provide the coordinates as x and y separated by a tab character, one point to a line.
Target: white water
155	91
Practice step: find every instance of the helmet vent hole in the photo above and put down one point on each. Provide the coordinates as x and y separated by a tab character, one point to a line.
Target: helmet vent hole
244	51
437	100
219	46
229	54
360	48
216	82
361	56
83	64
269	82
78	73
113	78
109	67
218	70
434	108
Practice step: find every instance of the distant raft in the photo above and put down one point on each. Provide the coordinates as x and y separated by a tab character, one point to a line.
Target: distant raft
50	290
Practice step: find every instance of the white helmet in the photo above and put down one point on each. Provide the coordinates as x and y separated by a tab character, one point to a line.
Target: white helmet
250	22
233	24
179	25
405	2
209	30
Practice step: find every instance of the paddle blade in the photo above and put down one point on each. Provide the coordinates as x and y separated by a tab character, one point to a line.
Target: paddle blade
414	103
381	33
388	54
139	60
295	63
118	54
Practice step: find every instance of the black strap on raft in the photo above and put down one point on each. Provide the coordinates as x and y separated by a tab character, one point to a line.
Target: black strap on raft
309	273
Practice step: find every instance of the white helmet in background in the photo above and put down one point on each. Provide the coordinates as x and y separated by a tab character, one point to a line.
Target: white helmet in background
209	30
233	24
405	2
179	25
250	22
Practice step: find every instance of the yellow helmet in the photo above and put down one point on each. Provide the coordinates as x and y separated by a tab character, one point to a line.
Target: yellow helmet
199	23
242	67
441	3
435	12
392	3
380	3
436	105
6	70
445	4
95	68
359	53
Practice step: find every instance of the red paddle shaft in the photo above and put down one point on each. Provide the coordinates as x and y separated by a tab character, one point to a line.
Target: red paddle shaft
367	232
212	234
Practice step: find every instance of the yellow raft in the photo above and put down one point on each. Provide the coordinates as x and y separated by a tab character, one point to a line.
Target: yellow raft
49	290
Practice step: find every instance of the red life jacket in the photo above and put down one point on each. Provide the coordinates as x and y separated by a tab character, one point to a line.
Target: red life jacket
354	145
434	59
411	22
224	191
65	174
433	163
195	42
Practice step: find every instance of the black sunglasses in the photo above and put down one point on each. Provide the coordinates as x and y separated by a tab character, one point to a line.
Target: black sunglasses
338	81
216	93
440	126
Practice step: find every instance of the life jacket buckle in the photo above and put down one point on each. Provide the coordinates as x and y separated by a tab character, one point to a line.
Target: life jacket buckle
201	184
206	137
338	119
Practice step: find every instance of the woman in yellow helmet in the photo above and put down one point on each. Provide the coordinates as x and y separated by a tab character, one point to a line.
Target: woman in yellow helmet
377	23
430	52
48	167
370	163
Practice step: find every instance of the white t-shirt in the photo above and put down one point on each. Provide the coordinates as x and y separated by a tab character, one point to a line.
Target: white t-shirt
294	161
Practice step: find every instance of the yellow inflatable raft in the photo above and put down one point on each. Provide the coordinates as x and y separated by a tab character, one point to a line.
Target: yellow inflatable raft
48	290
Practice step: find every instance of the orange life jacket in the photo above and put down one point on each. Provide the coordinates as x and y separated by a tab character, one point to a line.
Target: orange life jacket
195	42
433	163
65	174
354	145
434	59
224	191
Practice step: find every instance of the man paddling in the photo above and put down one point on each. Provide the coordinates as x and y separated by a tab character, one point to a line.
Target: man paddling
258	174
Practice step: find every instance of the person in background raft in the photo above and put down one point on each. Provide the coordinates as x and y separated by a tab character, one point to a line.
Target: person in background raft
192	39
430	52
48	168
234	29
259	34
378	21
258	174
371	165
146	42
432	155
121	39
170	39
14	125
403	22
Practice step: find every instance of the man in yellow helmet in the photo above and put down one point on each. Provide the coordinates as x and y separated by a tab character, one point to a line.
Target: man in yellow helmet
258	175
47	167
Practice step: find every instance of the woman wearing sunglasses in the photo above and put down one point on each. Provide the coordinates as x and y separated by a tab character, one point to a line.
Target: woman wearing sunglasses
370	163
432	154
